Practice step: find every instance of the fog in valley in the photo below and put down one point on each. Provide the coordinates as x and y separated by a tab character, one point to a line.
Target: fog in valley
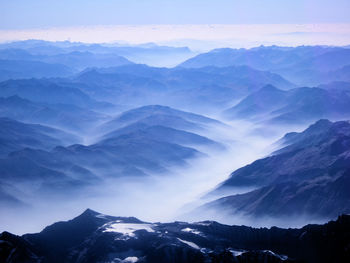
159	196
89	128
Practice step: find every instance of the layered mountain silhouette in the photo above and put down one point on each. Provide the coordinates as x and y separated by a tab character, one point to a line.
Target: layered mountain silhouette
160	115
177	87
304	65
16	135
95	237
295	106
46	91
84	125
83	55
309	176
137	142
71	61
22	69
66	116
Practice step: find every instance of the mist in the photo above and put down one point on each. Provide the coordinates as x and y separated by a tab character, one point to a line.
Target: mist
154	143
164	196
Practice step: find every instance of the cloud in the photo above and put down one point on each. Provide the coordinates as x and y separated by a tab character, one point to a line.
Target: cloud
206	36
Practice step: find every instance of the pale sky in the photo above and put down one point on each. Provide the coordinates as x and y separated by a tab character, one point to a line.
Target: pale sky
21	14
237	23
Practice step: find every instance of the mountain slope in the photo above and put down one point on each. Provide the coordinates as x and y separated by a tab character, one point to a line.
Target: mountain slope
19	69
74	60
195	89
94	237
15	136
295	106
303	65
302	159
67	116
309	176
159	115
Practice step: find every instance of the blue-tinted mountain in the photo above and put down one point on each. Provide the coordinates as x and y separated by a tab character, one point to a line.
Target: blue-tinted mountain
199	89
337	86
161	133
160	115
8	197
16	135
68	116
80	60
127	155
321	198
310	176
300	105
136	151
73	60
263	57
150	53
304	65
22	69
46	91
320	150
95	237
66	171
314	76
138	142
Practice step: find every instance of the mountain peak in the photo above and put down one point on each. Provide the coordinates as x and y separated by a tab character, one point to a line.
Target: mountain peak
89	212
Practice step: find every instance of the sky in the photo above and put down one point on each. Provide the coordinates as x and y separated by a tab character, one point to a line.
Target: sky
23	14
169	21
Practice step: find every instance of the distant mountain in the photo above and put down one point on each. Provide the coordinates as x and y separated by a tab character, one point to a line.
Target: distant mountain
161	133
81	60
313	153
8	197
22	69
76	60
138	142
314	76
160	115
337	86
195	89
16	135
150	53
295	106
67	116
46	91
66	171
304	65
131	154
95	237
309	176
263	57
322	198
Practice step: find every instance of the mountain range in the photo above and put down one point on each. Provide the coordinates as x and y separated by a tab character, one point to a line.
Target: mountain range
295	106
308	177
303	65
95	237
85	125
136	143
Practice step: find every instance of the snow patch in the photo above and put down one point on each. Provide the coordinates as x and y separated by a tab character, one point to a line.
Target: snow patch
126	260
190	230
191	244
204	223
130	260
237	253
126	229
282	257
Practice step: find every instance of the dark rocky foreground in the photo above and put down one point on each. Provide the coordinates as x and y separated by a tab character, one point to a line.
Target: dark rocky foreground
93	237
